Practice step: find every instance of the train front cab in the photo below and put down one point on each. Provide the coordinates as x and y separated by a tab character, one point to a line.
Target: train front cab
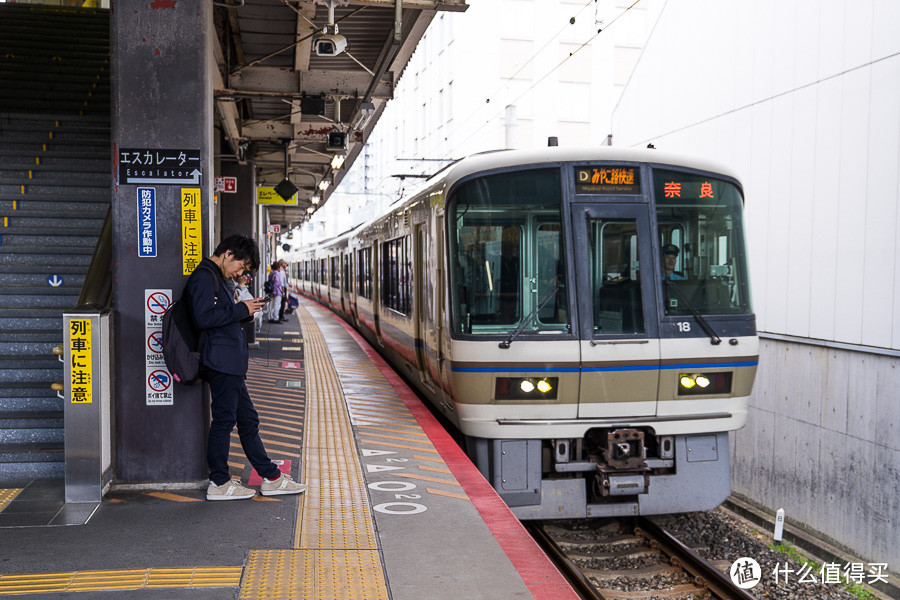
612	396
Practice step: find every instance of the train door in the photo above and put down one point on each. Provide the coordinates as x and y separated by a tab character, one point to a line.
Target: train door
423	268
376	290
343	281
619	332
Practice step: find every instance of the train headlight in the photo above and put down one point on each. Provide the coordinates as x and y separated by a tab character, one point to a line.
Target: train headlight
704	383
526	388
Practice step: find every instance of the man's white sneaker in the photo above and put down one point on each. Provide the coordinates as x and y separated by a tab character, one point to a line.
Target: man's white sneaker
283	485
230	490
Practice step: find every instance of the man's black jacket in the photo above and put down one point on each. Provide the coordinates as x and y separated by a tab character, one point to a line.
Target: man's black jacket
225	349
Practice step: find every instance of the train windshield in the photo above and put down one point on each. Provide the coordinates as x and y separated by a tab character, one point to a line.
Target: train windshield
700	226
507	266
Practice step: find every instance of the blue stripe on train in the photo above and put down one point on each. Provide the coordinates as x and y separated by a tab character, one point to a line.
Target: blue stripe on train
692	366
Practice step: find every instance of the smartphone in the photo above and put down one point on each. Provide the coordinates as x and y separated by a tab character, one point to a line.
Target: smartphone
267	298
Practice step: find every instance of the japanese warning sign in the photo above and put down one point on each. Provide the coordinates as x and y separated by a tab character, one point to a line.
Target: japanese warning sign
159	380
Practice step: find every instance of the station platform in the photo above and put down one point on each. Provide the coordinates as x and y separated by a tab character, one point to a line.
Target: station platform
394	509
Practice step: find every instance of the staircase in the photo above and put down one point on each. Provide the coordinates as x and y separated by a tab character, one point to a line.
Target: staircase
55	178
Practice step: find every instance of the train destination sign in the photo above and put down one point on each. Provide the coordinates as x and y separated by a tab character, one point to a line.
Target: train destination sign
143	166
608	179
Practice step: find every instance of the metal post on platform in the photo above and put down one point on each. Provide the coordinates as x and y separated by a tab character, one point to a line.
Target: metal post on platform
88	404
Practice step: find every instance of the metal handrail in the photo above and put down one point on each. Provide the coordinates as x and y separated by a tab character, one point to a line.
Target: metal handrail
96	292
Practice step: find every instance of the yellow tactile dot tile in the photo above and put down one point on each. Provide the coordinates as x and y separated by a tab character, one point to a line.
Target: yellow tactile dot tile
7	495
130	579
335	554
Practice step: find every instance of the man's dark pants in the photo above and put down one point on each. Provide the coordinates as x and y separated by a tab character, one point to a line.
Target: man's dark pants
231	404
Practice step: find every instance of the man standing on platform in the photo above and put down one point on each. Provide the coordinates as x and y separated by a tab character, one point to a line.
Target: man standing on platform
224	359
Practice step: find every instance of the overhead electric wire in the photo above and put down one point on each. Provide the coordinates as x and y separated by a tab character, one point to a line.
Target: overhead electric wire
550	72
506	80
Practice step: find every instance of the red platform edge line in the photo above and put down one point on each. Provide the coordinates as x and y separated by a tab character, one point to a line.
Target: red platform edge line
540	575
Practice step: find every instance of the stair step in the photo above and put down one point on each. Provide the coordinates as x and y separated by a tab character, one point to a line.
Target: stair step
32	207
51	222
42	420
38	319
15	238
50	192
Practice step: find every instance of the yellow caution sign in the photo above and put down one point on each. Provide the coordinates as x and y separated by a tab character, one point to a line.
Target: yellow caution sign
268	195
82	372
191	233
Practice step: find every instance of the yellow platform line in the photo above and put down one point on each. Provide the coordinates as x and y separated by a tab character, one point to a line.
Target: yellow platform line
436	469
7	495
335	550
445	493
173	497
427	478
390	445
393	430
396	438
130	579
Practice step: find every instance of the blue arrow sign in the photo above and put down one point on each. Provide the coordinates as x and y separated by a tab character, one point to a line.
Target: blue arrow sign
54	281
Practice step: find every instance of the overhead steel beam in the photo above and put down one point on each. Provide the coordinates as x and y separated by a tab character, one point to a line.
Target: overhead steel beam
228	113
265	79
280	82
448	5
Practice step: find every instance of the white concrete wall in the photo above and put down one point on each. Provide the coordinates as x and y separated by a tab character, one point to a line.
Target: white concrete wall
803	100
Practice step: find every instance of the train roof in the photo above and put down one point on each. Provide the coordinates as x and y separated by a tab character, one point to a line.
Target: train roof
490	161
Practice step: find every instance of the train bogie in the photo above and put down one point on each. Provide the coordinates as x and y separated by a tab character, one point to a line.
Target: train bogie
583	318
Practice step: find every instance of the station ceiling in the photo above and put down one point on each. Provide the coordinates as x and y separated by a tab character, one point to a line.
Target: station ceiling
272	81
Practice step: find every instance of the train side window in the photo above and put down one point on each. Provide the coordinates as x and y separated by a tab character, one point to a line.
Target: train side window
396	290
615	281
364	273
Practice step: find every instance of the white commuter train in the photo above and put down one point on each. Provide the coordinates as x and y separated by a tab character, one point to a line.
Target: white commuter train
526	294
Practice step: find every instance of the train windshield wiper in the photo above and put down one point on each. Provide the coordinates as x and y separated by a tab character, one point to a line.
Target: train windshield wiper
543	301
714	339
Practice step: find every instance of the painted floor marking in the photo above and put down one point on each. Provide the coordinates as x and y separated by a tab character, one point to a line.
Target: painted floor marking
7	495
390	445
131	579
446	493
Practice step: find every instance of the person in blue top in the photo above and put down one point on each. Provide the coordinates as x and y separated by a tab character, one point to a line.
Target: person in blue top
670	258
224	359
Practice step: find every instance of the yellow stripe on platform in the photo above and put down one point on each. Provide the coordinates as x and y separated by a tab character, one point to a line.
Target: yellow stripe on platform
131	579
8	495
335	550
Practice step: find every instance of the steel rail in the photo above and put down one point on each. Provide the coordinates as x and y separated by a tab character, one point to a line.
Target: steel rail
704	573
580	583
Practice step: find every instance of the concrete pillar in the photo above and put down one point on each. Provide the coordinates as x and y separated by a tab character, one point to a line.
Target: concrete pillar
162	126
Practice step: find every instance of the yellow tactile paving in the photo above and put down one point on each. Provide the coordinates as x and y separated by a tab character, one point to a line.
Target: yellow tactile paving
335	552
131	579
7	495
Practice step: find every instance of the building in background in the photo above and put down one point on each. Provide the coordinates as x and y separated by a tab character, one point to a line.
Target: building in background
801	98
504	74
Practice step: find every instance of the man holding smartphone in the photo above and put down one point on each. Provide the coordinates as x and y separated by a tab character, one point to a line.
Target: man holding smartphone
224	360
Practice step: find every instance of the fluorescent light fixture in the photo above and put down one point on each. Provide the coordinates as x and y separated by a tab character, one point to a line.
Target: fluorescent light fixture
323	185
338	161
315	199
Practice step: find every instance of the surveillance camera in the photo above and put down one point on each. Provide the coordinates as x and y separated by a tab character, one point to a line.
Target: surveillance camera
329	44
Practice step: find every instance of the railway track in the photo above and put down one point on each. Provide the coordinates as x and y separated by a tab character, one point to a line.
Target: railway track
633	559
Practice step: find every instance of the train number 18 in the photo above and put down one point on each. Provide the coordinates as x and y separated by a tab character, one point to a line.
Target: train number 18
683	326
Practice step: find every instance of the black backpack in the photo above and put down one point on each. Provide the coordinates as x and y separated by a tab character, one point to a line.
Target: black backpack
182	340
